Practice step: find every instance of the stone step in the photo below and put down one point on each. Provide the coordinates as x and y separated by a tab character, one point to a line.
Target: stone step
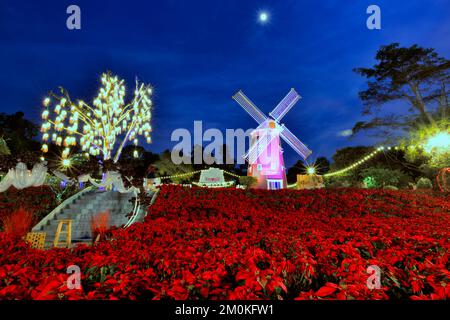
84	208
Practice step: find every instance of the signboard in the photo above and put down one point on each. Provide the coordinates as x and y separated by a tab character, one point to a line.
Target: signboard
211	176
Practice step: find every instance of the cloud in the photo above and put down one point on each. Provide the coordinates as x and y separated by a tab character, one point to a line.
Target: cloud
345	133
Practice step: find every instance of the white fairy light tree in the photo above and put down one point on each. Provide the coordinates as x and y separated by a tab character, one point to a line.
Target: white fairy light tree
102	129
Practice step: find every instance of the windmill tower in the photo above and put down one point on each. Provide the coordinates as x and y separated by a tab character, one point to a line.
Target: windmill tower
265	155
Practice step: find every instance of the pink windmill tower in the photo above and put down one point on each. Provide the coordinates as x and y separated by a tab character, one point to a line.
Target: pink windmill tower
265	155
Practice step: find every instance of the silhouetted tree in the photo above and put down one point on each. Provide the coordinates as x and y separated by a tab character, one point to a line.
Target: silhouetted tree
322	165
297	168
18	133
415	75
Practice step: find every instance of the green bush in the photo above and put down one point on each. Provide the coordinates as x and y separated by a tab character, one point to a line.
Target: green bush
424	183
390	188
338	181
370	182
247	181
380	177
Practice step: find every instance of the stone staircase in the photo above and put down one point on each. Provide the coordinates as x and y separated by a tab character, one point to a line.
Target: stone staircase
82	209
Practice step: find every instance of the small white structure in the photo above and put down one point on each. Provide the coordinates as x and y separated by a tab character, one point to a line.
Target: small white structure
21	177
213	178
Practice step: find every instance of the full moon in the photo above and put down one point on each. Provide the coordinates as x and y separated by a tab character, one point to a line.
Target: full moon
263	17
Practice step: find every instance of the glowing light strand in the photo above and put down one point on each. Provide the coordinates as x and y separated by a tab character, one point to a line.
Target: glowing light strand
181	175
358	163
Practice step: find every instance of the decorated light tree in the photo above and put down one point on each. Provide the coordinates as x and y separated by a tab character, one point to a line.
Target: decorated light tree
103	128
429	145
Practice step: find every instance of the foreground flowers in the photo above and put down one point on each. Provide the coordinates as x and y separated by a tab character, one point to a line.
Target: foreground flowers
234	244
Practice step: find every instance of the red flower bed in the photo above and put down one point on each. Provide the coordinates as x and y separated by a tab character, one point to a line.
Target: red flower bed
38	200
234	244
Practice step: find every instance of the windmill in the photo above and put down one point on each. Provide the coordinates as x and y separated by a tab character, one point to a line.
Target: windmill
265	155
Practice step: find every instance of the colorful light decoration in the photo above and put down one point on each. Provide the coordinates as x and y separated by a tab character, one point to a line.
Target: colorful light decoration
103	128
439	143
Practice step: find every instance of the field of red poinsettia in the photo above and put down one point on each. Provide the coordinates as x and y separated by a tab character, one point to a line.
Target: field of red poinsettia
235	244
35	200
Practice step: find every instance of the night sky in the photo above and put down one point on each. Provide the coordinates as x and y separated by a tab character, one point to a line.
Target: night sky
197	54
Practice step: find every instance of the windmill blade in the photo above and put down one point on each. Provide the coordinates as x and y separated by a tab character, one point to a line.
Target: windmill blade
259	147
250	107
285	105
294	142
252	151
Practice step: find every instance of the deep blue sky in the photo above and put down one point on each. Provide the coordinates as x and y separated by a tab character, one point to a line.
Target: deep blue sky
197	54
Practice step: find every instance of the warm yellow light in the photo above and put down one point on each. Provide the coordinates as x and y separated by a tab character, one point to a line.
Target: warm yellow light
45	114
46	102
66	163
310	170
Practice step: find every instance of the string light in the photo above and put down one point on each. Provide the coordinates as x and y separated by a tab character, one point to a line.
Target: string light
232	174
310	170
358	163
97	128
182	175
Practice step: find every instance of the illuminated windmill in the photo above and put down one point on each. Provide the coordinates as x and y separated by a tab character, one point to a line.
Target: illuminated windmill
265	155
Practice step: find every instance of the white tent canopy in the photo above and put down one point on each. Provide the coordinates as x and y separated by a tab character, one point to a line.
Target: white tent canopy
21	177
213	177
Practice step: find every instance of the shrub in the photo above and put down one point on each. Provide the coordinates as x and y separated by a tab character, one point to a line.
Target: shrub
18	223
340	181
390	188
380	177
424	183
247	181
